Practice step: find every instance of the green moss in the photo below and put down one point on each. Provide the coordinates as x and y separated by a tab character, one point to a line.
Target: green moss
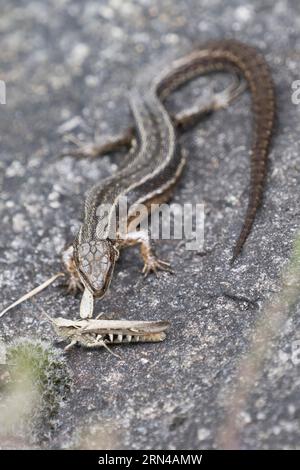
44	367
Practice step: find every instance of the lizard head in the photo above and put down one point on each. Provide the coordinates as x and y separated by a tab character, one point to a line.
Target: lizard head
95	261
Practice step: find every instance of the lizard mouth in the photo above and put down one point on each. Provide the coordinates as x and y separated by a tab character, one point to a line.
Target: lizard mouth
92	291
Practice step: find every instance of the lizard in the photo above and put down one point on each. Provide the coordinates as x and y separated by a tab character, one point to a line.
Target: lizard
154	163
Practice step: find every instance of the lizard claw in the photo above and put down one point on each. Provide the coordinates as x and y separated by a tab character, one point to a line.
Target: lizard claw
153	264
74	285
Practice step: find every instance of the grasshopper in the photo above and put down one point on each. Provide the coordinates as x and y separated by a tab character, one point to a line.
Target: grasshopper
95	333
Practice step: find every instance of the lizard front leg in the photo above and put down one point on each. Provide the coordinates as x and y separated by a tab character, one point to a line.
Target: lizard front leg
151	262
74	283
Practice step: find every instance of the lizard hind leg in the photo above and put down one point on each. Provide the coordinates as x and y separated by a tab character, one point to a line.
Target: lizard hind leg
188	118
107	145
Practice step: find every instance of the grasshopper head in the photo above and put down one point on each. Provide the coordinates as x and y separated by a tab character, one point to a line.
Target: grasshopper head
67	328
95	261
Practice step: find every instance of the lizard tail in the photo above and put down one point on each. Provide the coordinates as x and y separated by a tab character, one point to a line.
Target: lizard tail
257	73
255	199
248	62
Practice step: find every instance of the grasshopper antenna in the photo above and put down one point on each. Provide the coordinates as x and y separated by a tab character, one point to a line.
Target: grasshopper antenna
43	311
32	293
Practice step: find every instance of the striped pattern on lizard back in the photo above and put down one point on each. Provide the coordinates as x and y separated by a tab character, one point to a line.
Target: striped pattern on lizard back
156	162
